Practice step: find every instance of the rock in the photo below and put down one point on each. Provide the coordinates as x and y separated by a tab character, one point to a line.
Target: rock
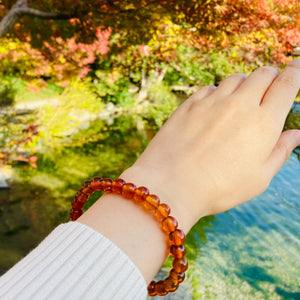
4	176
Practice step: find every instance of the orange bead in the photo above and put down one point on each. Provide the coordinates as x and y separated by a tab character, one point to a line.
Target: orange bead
81	197
177	251
177	237
140	194
169	224
176	277
128	190
86	188
96	183
162	211
106	185
160	288
117	186
76	205
151	289
75	214
180	265
170	286
151	202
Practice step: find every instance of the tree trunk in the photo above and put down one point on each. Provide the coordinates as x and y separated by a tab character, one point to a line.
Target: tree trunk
19	10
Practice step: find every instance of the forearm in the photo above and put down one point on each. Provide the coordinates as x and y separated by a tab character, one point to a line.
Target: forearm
131	228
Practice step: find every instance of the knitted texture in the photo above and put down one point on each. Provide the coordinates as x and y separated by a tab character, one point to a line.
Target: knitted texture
74	262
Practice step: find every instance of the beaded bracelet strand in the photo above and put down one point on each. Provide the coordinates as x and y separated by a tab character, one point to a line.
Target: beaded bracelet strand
152	204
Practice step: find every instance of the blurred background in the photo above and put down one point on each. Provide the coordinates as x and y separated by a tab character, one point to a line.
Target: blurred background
84	86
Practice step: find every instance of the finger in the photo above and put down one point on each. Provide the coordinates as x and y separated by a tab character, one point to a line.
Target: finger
202	93
287	142
255	86
230	84
280	96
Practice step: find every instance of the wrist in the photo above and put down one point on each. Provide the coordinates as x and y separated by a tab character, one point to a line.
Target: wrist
165	189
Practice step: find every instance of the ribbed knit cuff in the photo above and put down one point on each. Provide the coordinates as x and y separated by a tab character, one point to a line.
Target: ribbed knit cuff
74	262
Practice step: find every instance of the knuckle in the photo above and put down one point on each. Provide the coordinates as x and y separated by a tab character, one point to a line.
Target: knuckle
287	79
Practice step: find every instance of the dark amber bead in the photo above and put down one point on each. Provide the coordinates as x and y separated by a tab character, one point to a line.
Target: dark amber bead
117	185
76	205
140	193
151	202
96	183
176	277
86	188
151	289
177	251
177	237
162	211
160	288
75	214
106	185
128	190
170	286
81	197
180	265
169	224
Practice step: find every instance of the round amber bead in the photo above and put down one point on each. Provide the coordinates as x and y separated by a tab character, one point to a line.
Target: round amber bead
117	185
176	277
177	237
151	202
162	211
96	183
106	185
75	214
177	251
140	194
180	265
169	224
151	289
160	288
81	197
128	190
170	286
86	188
76	205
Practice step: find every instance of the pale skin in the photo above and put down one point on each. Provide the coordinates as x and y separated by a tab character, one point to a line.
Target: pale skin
219	149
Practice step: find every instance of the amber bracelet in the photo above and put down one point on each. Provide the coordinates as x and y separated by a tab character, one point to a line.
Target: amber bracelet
161	211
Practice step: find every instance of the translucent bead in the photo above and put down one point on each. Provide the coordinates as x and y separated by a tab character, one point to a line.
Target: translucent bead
162	211
180	265
128	190
169	285
177	251
81	197
76	205
86	188
169	224
160	288
140	194
176	277
75	214
177	237
117	185
151	202
96	183
106	185
151	289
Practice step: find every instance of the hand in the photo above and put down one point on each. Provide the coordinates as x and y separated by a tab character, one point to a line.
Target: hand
223	145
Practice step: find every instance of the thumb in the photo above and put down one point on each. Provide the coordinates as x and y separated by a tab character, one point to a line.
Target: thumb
287	142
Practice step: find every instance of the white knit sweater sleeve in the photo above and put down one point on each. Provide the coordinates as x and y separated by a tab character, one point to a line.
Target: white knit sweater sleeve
74	262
